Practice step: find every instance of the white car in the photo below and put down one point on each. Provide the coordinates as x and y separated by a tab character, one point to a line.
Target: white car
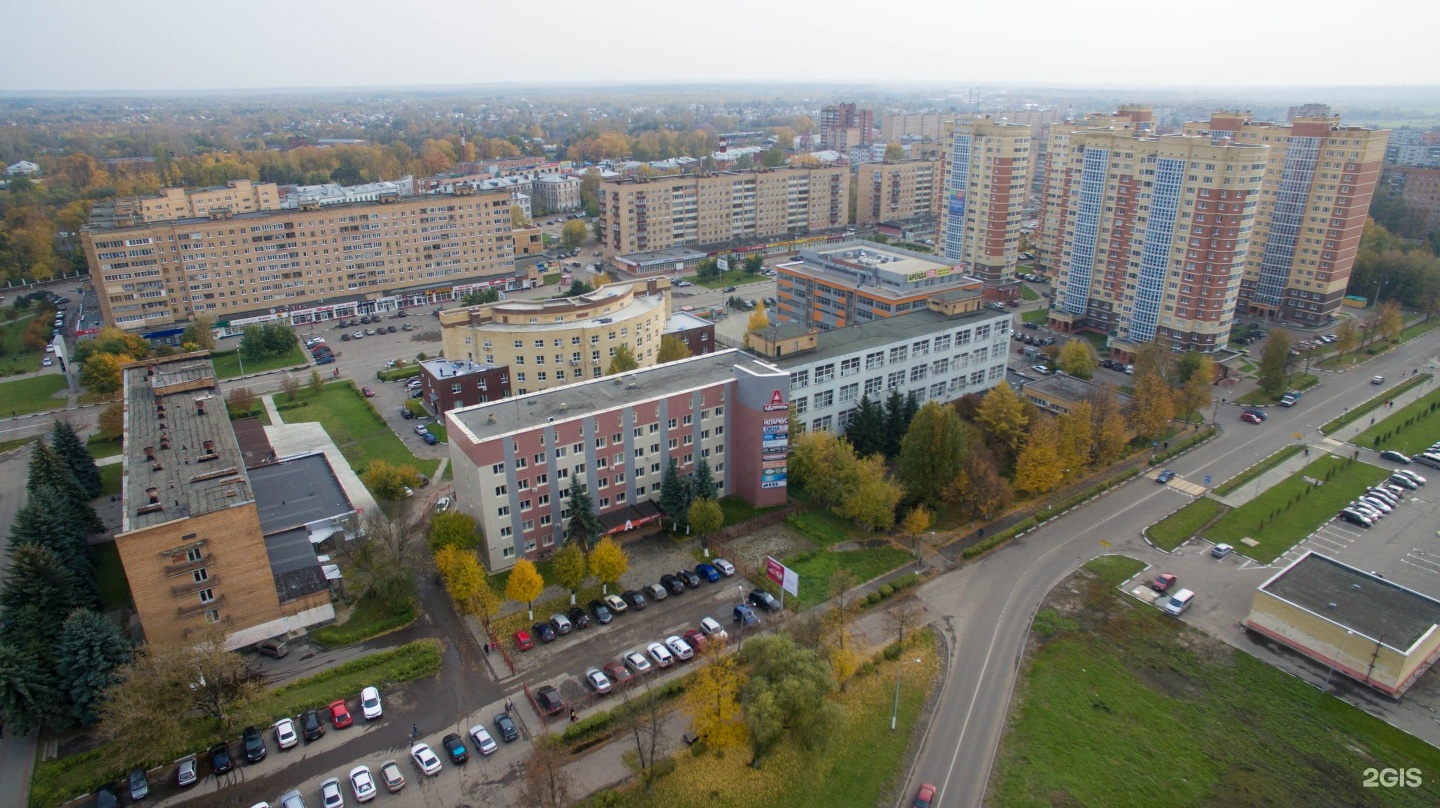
712	628
482	739
597	680
442	505
330	795
679	647
362	784
1413	477
358	335
726	568
425	759
615	604
370	703
285	736
662	656
637	662
1041	369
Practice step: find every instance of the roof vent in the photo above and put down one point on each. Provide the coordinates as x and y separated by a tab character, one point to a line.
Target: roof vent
490	419
564	407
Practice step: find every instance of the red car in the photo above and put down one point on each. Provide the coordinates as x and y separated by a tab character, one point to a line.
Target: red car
339	714
924	796
1163	582
522	639
368	391
695	638
1250	418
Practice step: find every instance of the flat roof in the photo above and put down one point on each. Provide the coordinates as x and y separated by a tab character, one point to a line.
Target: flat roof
294	565
592	396
683	321
877	333
447	368
639	305
1070	388
1368	605
880	270
652	257
197	467
297	492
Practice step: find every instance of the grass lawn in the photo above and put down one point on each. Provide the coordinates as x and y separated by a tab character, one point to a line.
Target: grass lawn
823	526
860	764
14	356
1029	294
356	428
110	574
816	570
1259	468
1277	532
370	618
35	394
100	447
110	477
735	277
1356	356
437	428
550	279
57	781
1173	530
737	510
227	364
1119	704
1037	316
7	445
1298	381
1422	430
1418	329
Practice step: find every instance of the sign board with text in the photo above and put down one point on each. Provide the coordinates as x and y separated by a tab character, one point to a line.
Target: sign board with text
786	578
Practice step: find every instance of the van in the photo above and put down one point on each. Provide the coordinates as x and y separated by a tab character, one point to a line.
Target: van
1179	602
1290	399
1427	459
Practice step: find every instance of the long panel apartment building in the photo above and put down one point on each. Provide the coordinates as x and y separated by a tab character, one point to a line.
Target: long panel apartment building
901	190
1313	202
644	215
1155	237
986	166
303	264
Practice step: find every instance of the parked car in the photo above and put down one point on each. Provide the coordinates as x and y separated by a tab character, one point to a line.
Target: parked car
561	624
1403	481
285	736
1411	475
578	617
1163	582
615	604
637	662
660	655
340	714
635	599
506	727
656	592
484	744
745	616
430	439
186	774
597	680
679	647
695	638
254	744
1221	550
455	747
1356	518
1395	457
276	648
618	674
362	784
105	797
139	785
600	612
425	759
712	627
220	760
422	429
370	703
708	572
673	583
543	632
726	568
548	699
691	580
406	413
523	640
312	726
764	600
390	775
1041	369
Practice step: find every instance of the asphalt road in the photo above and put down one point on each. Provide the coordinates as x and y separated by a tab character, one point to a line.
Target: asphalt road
987	606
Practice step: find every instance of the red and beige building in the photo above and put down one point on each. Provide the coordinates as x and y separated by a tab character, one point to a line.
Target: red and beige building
986	169
844	126
901	190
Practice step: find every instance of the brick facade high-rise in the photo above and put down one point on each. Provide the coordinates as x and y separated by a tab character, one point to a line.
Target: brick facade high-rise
986	168
843	126
896	191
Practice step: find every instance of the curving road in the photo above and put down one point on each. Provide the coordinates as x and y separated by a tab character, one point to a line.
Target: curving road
987	606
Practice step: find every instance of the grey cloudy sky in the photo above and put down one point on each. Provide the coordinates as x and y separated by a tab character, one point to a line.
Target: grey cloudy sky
197	44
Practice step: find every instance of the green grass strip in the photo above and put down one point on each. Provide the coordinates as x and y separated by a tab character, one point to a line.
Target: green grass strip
1256	470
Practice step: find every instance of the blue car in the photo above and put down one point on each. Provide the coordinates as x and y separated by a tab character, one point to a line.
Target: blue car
707	572
429	439
1165	476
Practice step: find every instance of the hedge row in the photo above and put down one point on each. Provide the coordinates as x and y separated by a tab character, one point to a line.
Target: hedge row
398	373
887	591
593	726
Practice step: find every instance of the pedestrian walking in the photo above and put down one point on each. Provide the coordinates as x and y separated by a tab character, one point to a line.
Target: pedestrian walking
487	649
1307	451
572	715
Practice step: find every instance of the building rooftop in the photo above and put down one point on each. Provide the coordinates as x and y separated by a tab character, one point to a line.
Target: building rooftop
545	311
882	271
1070	388
297	492
877	333
181	455
445	368
577	400
667	255
1356	600
294	565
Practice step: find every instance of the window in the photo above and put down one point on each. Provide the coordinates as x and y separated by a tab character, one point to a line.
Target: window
507	552
604	502
527	525
895	379
921	348
523	485
673	444
824	373
801	405
212	616
541	479
799	379
498	468
540	459
898	354
822	424
193	554
874	386
849	367
545	520
200	575
507	531
670	424
542	500
874	360
501	490
600	443
919	372
207	596
524	505
824	399
850	392
503	510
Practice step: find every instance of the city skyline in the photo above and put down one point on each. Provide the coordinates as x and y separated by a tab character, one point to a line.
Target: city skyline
62	49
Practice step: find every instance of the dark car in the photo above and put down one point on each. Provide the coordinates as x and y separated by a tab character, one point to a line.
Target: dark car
254	744
764	600
1258	414
1165	476
311	725
543	632
691	579
220	760
707	572
746	616
406	413
1395	457
549	700
600	612
139	785
105	797
455	748
506	727
578	617
672	584
635	599
1356	518
430	439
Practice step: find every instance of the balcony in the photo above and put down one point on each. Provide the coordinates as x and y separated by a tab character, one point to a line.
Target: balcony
194	586
171	570
185	612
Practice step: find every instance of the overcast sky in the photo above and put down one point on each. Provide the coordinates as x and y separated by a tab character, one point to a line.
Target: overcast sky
73	45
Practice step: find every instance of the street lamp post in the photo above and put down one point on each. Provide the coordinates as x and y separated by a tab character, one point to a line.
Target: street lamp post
1215	417
895	713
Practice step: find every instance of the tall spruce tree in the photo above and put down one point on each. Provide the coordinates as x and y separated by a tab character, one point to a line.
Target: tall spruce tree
704	487
49	469
76	455
866	432
45	520
584	527
38	594
673	499
88	654
894	422
29	694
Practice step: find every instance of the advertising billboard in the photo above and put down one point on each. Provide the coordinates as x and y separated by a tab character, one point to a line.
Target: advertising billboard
787	579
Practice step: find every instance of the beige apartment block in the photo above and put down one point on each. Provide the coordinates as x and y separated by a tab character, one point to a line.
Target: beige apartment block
900	190
641	215
550	343
236	196
1155	237
262	264
1319	179
986	166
